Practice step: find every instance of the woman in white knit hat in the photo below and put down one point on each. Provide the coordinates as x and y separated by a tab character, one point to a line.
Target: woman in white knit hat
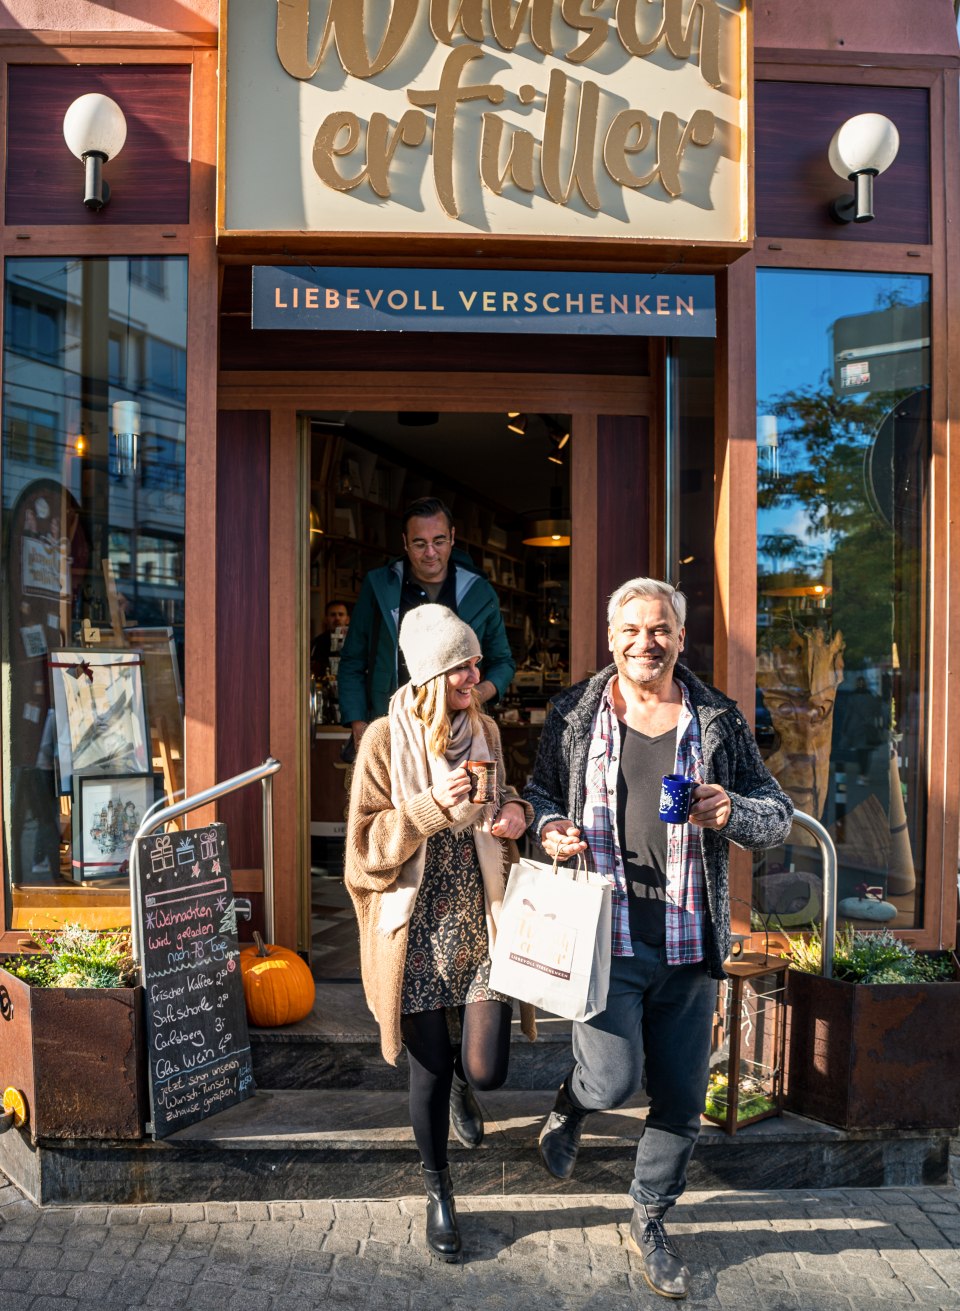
426	868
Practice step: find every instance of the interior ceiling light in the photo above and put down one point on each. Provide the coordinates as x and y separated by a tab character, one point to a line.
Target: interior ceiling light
517	423
559	432
863	147
554	458
548	532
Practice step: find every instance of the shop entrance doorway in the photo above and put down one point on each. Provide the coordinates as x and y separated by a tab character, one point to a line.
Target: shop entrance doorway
331	445
552	508
505	479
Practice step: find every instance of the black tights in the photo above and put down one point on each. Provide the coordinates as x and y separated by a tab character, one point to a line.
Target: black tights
433	1059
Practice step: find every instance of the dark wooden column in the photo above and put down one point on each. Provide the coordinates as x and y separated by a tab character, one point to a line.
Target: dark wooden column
623	510
240	624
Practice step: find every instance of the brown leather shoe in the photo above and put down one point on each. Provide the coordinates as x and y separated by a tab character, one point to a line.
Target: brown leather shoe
663	1267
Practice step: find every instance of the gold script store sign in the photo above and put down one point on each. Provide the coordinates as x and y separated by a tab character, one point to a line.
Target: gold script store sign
576	118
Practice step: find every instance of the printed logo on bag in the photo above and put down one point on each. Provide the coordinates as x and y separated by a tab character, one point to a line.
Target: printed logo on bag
666	801
544	944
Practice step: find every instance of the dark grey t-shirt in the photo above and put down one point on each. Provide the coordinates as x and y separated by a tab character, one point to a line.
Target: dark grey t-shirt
643	835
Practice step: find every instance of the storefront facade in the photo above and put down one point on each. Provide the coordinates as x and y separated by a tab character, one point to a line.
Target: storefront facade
790	467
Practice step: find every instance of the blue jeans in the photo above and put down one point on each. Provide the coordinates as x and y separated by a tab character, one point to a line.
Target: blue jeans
657	1027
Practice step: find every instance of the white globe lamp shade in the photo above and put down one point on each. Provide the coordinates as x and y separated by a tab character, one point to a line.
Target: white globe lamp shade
866	143
94	122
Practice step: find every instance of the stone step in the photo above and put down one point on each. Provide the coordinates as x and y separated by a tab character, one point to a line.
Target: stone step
296	1144
338	1046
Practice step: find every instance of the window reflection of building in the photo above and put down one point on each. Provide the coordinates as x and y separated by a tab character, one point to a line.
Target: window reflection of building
842	403
80	335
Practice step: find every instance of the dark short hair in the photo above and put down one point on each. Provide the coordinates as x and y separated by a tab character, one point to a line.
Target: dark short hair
331	604
426	507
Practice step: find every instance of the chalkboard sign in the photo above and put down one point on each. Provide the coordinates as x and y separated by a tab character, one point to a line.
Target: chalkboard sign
199	1045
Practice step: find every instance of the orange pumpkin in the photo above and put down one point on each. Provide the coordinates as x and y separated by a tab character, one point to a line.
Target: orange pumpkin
277	984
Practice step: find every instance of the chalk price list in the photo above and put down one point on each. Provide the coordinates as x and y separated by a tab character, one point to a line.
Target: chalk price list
196	1021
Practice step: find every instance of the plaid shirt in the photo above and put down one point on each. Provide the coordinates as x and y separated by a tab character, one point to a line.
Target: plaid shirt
684	874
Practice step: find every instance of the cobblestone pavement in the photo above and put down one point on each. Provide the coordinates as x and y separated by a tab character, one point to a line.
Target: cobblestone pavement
851	1249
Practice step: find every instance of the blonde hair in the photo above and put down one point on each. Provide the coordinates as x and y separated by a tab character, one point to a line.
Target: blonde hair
430	708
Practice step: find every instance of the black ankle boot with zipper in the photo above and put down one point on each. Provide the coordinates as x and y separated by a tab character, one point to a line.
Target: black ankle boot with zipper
443	1232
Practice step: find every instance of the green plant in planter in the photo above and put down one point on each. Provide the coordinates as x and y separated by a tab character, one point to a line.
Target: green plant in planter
869	957
752	1101
75	957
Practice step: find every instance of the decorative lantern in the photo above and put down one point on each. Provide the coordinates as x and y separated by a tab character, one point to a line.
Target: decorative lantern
746	1068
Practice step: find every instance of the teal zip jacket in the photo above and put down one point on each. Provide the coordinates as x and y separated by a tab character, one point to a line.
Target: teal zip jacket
367	676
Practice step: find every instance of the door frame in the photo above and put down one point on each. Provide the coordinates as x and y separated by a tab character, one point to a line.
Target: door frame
288	397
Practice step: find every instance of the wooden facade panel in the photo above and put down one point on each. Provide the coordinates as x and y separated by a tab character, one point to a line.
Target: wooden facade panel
623	510
242	349
242	620
149	179
795	122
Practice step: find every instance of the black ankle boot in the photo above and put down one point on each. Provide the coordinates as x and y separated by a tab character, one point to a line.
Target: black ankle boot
443	1232
560	1135
466	1117
663	1267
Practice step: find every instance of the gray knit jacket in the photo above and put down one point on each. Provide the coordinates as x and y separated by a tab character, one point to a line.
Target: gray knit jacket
761	812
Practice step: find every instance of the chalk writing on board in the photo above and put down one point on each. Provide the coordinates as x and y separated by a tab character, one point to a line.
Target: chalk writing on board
196	1018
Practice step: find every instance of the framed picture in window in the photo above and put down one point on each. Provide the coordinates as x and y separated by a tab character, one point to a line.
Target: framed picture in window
99	710
107	811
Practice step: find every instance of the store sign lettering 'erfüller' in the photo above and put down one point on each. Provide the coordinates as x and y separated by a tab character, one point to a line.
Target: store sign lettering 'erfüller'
502	107
345	156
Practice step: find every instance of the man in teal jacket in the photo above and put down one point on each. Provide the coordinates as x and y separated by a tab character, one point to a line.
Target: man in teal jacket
371	668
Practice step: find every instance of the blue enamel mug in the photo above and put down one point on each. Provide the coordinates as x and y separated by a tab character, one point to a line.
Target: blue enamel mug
676	793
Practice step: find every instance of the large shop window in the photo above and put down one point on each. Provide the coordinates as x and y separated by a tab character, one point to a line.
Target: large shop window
93	460
843	449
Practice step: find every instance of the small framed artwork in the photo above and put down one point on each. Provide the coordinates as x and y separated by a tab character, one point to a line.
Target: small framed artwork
107	811
99	709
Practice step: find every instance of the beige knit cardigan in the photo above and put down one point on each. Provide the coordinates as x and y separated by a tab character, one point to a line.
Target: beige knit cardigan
380	838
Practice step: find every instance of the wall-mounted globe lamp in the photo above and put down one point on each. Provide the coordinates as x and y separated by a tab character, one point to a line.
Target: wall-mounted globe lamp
863	147
95	129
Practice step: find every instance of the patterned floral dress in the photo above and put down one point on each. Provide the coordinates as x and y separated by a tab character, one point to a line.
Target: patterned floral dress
448	956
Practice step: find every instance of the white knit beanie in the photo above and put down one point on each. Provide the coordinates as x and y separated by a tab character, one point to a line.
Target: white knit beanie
433	641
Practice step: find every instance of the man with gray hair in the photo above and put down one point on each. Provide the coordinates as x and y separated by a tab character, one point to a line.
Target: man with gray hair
595	790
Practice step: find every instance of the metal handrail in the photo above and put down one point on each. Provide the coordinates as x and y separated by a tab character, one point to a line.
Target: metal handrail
828	932
262	774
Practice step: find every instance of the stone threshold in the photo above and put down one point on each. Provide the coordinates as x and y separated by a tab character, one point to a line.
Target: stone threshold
297	1144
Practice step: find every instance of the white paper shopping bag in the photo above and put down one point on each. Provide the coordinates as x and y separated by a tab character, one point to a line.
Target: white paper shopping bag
553	940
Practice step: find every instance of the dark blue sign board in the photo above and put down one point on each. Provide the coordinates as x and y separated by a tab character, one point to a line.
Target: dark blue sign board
467	300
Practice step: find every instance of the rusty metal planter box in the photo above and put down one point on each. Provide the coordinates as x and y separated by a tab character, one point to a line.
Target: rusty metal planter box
873	1056
77	1055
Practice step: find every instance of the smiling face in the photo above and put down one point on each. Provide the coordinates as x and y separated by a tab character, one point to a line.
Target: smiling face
428	543
646	639
460	684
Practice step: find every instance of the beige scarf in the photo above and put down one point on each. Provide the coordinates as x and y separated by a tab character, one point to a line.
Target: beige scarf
413	769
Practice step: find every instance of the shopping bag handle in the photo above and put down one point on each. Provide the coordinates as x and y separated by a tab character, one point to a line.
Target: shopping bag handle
581	867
